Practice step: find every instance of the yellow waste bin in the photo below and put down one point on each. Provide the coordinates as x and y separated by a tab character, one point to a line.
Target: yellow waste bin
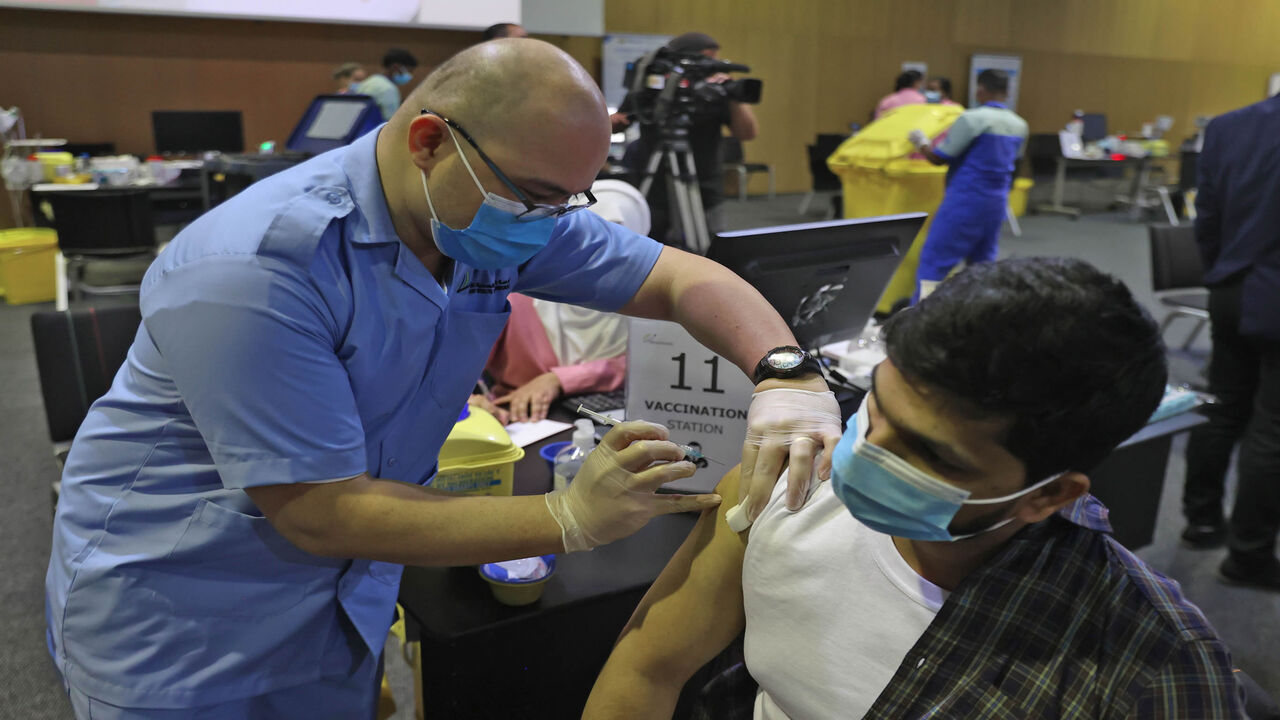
1018	196
478	457
27	270
882	175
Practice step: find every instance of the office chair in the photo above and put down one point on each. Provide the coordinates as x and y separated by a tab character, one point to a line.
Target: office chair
824	181
732	159
77	356
101	225
1175	265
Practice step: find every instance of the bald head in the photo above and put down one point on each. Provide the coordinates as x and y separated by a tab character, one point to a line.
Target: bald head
493	88
536	114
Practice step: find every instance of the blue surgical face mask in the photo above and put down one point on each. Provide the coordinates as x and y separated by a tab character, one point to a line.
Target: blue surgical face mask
932	96
402	78
889	495
495	238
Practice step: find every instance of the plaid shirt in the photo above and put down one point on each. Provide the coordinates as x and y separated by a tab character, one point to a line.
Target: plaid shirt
1063	622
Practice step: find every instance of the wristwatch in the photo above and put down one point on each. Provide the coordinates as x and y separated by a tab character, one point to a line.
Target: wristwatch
787	361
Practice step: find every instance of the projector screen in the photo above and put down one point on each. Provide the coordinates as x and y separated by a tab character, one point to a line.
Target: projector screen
447	14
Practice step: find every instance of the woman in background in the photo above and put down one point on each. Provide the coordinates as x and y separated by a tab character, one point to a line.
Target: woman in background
549	349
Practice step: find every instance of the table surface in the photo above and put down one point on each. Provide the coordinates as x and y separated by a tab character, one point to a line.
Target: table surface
448	603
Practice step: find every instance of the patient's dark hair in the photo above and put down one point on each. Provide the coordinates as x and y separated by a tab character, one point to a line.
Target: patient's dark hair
1056	346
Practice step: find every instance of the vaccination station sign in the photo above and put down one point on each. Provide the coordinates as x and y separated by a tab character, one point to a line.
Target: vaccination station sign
702	398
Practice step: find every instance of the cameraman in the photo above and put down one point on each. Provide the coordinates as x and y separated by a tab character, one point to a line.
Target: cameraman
704	139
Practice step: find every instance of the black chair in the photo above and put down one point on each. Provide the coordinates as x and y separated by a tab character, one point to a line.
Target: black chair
1175	265
78	353
732	159
101	225
824	181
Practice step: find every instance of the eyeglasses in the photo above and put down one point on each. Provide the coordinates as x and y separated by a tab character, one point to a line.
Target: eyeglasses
534	211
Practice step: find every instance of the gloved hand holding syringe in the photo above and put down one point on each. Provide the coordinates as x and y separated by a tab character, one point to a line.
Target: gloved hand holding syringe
692	454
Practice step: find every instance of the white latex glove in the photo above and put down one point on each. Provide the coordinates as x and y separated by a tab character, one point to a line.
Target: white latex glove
613	494
778	419
917	138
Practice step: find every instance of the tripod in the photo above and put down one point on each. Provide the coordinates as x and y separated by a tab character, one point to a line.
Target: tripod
682	176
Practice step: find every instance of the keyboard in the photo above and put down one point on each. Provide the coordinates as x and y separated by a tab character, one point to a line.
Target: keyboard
596	402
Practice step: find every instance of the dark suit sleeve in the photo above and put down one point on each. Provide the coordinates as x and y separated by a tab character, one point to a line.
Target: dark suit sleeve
1208	198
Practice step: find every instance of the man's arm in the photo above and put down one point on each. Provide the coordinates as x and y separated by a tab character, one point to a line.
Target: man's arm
960	135
692	612
611	497
742	121
1197	682
720	309
931	156
391	521
723	312
1208	200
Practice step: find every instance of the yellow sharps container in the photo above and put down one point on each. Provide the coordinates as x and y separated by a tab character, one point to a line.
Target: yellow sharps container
478	457
881	177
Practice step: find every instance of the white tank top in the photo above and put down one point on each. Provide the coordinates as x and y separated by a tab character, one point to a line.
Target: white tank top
831	609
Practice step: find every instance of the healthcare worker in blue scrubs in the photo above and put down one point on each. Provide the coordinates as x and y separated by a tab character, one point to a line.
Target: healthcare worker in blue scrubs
982	147
236	510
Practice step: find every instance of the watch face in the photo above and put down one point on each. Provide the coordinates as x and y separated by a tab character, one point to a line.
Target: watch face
785	359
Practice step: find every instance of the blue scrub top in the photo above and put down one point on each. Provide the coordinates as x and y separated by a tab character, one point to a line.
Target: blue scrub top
288	336
982	147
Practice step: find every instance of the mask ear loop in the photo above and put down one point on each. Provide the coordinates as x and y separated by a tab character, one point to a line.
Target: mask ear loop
465	162
1014	496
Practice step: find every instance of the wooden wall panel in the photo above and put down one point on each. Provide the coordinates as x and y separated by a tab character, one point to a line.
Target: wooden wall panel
94	77
826	62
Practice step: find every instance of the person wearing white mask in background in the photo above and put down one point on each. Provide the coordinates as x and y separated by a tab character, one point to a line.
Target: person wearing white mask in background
938	90
956	565
398	66
548	348
348	76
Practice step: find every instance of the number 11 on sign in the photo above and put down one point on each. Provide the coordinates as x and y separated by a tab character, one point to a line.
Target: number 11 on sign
713	361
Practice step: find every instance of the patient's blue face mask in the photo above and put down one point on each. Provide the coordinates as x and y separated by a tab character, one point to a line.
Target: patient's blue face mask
496	238
402	78
889	495
932	96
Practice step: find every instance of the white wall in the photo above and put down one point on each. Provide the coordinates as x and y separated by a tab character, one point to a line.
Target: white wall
564	17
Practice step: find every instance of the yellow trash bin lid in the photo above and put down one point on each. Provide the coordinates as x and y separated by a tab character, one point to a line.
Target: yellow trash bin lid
477	440
22	239
885	139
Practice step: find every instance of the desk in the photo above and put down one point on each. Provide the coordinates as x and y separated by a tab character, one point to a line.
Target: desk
176	203
236	172
481	659
1137	187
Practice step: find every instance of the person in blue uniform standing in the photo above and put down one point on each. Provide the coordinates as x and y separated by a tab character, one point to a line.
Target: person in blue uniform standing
236	510
982	147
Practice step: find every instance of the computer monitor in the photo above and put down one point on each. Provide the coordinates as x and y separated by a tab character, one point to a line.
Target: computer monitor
823	278
182	132
1095	127
332	121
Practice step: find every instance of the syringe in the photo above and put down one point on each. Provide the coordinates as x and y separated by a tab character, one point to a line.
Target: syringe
692	454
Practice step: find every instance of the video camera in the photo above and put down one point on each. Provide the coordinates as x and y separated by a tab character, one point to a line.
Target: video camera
669	87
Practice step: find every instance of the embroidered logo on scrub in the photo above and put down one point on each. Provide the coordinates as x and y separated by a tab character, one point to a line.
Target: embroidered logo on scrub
480	287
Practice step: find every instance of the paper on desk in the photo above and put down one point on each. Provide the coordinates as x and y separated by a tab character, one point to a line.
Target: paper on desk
526	434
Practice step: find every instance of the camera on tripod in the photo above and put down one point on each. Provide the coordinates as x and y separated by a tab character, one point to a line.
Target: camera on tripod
670	87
